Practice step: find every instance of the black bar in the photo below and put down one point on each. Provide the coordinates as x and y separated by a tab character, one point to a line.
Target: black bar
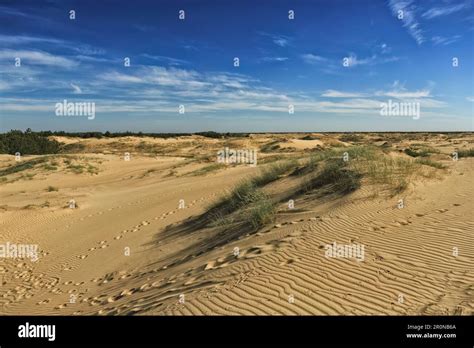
289	331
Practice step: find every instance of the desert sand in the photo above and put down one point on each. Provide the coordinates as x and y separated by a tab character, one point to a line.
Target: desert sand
138	242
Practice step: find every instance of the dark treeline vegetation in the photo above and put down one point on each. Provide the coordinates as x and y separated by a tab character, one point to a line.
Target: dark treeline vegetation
85	135
27	143
37	143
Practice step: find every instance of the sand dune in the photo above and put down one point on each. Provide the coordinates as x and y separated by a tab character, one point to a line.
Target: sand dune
135	243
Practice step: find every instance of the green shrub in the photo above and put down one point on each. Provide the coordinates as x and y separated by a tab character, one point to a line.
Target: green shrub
335	175
27	143
466	153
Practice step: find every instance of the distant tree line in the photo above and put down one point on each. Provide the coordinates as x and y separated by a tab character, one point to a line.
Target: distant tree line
37	143
85	135
27	143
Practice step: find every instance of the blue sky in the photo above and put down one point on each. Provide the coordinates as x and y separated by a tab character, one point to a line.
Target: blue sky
283	62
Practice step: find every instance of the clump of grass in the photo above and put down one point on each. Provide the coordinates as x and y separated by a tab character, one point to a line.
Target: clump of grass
350	138
274	171
431	163
466	153
309	137
261	212
391	172
336	176
52	189
48	166
244	193
208	169
28	176
271	159
245	203
362	152
21	166
76	168
424	151
270	147
92	170
355	154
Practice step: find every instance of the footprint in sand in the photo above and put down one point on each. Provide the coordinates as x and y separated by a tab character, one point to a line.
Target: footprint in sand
128	292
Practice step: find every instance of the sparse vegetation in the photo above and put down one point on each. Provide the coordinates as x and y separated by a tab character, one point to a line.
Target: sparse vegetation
423	151
466	153
76	168
22	165
49	166
309	137
350	138
208	169
52	189
337	176
431	163
261	212
273	172
270	147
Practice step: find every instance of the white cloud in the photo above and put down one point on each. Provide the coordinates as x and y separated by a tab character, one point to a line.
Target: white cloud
330	93
409	20
352	60
406	94
25	39
444	11
439	40
37	57
274	59
168	60
313	59
119	77
280	41
384	48
76	89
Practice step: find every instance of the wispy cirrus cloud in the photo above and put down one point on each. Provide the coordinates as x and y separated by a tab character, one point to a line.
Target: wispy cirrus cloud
407	10
331	93
445	10
84	51
313	59
279	40
37	57
399	91
274	59
165	59
76	88
444	41
26	39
